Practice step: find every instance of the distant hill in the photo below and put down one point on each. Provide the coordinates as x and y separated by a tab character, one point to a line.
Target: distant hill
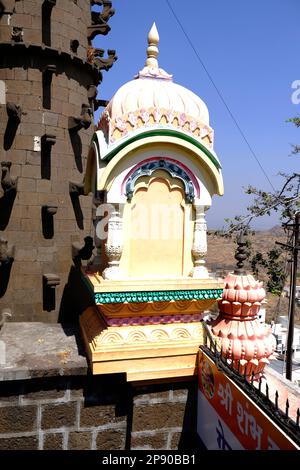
220	256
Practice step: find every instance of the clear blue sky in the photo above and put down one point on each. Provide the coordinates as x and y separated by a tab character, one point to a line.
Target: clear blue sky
251	49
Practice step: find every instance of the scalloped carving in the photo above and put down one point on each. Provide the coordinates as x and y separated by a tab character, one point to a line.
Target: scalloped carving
112	308
136	336
159	306
134	307
110	337
182	304
143	118
159	335
181	333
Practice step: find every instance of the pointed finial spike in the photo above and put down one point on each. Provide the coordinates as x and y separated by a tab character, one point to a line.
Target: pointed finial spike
153	36
152	50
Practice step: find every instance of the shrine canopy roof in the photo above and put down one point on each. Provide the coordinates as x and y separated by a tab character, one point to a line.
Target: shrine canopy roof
153	102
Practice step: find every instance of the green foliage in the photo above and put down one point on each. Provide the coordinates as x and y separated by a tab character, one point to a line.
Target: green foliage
273	265
295	120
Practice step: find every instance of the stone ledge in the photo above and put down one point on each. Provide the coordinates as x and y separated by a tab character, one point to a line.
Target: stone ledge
41	350
9	51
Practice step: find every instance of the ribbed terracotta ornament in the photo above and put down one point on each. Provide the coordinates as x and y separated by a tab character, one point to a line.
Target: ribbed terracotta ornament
243	339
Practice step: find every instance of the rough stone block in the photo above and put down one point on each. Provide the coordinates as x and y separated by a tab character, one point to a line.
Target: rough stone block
34	117
158	416
50	118
26	254
99	415
18	86
31	171
17	419
29	224
32	102
58	415
20	267
5	33
111	439
32	129
26	184
36	22
27	281
26	297
153	441
19	443
21	20
32	36
43	186
28	199
36	89
80	440
53	441
24	142
35	75
21	74
18	156
175	438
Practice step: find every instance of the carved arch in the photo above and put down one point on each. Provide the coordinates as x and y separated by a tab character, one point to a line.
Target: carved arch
147	169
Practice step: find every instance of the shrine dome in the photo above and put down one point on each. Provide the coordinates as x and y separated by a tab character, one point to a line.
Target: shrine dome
153	100
153	117
154	88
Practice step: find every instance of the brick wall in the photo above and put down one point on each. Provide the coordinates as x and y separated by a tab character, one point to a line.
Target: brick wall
96	413
21	77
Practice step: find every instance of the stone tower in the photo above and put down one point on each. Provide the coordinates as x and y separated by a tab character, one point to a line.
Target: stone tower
49	72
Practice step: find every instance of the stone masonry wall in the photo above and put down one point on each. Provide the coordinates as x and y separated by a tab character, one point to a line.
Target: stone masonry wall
81	413
23	63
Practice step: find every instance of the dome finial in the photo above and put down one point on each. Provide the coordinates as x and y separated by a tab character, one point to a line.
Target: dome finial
152	50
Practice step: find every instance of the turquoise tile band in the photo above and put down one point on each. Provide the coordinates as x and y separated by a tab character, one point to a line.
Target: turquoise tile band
156	296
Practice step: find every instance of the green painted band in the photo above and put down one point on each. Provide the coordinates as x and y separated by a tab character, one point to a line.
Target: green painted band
168	133
156	296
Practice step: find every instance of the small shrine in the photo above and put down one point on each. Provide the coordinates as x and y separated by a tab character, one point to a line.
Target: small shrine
153	171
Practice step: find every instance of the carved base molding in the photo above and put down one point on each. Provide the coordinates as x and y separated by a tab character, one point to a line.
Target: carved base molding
143	352
155	309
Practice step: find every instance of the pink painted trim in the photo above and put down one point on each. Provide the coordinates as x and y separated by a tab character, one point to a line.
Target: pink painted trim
172	160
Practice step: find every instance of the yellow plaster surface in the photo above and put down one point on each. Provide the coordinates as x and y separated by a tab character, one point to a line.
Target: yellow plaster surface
98	284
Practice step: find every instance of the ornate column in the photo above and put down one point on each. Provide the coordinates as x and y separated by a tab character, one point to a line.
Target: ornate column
199	248
114	245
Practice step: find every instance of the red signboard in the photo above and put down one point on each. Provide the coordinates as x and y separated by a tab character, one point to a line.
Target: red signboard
236	421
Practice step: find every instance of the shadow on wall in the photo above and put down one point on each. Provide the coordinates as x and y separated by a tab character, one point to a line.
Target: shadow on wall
75	300
6	206
189	439
10	133
77	149
4	277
